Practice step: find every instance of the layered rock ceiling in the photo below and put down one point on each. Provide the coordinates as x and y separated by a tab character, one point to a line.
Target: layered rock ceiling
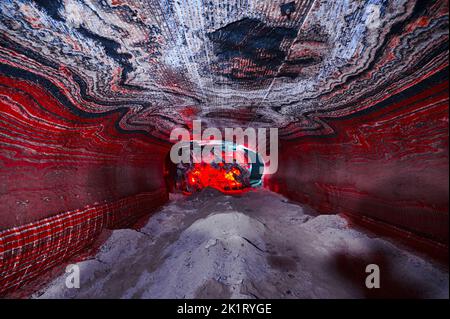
153	65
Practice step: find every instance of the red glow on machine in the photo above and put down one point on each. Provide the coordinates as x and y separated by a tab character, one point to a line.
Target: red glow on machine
204	175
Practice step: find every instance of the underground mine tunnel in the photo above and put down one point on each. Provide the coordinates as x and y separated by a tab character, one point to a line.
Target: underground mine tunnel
332	181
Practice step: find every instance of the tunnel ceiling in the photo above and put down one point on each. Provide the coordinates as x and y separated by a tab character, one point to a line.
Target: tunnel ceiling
159	64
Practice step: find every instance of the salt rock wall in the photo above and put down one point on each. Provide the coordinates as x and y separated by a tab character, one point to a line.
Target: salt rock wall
54	159
389	164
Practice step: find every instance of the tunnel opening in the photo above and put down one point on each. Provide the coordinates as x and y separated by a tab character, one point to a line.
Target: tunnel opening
222	165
